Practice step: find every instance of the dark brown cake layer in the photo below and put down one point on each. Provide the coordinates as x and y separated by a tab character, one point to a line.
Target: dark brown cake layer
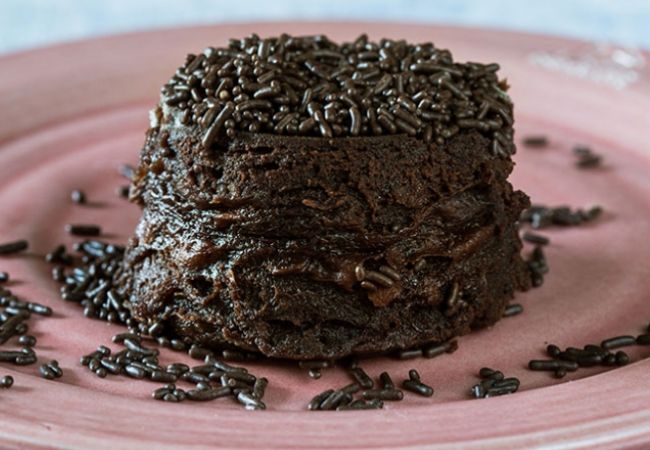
306	247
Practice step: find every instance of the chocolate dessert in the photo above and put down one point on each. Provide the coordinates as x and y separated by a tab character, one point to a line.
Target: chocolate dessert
307	199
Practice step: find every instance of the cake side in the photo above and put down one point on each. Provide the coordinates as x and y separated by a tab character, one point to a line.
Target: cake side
259	243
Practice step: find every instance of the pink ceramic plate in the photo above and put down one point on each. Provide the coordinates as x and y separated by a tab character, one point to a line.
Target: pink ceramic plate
69	115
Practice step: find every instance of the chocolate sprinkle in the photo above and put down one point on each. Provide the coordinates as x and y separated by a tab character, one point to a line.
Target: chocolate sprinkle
127	171
618	341
318	364
123	191
513	310
540	216
6	382
361	377
591	355
643	339
13	247
438	349
536	141
51	370
409	354
334	399
14	317
361	404
390	394
91	282
494	384
83	230
212	380
535	238
78	196
315	402
586	158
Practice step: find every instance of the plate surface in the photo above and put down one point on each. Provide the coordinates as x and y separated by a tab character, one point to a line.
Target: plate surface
71	114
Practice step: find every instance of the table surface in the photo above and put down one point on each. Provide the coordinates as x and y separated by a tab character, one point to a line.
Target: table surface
31	23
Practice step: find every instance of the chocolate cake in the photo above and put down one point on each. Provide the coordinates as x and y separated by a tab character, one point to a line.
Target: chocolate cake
307	199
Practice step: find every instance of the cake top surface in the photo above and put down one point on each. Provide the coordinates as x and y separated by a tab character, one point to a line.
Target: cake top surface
311	86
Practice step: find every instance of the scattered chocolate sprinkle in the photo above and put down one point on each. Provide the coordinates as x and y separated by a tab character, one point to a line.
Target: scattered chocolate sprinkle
383	394
39	309
452	346
513	310
59	256
13	247
643	339
121	337
618	341
315	402
539	216
586	158
212	380
100	263
622	358
127	171
361	377
494	384
342	399
452	299
83	230
434	350
386	381
486	372
538	266
591	355
316	364
409	354
553	365
250	401
14	322
259	387
134	371
198	352
27	340
535	238
361	404
313	86
535	141
6	382
123	191
140	362
50	370
415	385
335	399
236	355
351	388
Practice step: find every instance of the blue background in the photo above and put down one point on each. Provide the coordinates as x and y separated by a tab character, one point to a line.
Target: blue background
30	23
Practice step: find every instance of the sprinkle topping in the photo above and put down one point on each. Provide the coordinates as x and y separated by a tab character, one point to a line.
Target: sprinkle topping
311	86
